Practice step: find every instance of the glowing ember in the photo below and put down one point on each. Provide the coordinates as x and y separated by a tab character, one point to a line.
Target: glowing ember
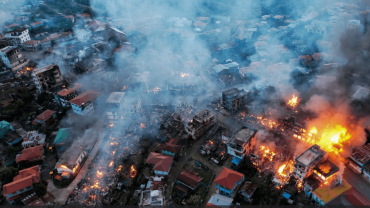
241	115
133	171
96	185
114	152
110	125
280	170
142	126
110	164
267	153
210	142
119	168
114	143
75	168
184	75
63	166
99	174
121	117
124	88
293	102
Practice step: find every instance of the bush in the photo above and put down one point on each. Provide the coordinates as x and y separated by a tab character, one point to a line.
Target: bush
7	174
40	189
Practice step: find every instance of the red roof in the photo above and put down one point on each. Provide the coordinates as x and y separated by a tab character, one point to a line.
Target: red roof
66	92
356	198
190	178
47	39
30	154
160	162
65	34
168	147
44	116
84	15
31	42
24	179
12	25
95	25
228	178
36	23
54	36
69	16
89	95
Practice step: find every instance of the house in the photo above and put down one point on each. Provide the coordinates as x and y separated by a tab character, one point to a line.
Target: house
32	45
132	105
17	36
152	198
22	184
247	190
46	43
70	162
228	68
11	27
321	57
71	18
12	138
36	25
45	118
233	98
303	164
63	139
200	124
5	127
228	182
218	200
33	139
326	193
66	36
325	171
55	38
47	78
355	198
307	61
6	98
189	178
65	95
96	26
359	158
114	106
168	148
30	155
85	103
12	58
85	17
242	144
161	163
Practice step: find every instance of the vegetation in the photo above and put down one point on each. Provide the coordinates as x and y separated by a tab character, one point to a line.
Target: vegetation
134	201
7	174
40	189
196	198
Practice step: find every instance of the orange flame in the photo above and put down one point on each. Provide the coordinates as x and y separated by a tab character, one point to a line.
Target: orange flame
99	174
142	126
267	153
110	164
210	142
119	168
293	102
96	185
133	171
75	168
63	166
110	125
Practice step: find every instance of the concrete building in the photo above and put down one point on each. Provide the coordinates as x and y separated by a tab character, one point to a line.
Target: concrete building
17	37
242	144
114	106
304	164
12	57
70	162
200	124
65	95
86	103
151	198
227	68
47	78
359	158
32	45
33	139
233	98
228	182
218	200
353	24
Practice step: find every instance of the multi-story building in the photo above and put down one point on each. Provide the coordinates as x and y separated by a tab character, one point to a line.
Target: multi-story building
86	103
233	98
114	106
47	78
242	143
22	184
32	45
70	162
17	37
46	118
228	182
200	124
33	139
65	95
353	24
304	164
12	57
30	155
359	158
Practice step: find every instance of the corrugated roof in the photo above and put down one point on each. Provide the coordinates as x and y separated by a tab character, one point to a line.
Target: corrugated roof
32	153
356	198
190	178
43	116
89	95
24	179
228	178
326	194
62	135
362	154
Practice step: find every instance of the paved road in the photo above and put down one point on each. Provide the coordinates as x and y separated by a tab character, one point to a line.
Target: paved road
357	181
62	194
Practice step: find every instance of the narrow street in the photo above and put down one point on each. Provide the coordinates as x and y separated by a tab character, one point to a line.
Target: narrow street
62	194
357	182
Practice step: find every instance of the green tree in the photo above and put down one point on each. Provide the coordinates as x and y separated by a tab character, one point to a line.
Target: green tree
40	189
134	201
7	174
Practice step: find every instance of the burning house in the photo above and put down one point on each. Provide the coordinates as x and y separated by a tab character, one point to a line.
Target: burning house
114	105
233	98
200	124
70	162
242	143
47	78
65	95
304	164
325	171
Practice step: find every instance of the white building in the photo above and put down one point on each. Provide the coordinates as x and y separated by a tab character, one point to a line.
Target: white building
65	95
242	144
85	103
17	37
151	198
31	45
33	139
303	165
114	106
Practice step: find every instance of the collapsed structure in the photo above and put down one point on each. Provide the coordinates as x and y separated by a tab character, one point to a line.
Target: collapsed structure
200	124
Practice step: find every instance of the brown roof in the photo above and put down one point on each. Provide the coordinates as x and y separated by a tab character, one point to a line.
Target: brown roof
65	34
168	147
190	178
160	162
36	23
228	178
47	39
89	95
307	60
24	179
31	42
30	154
45	115
54	36
95	25
248	187
362	154
319	56
66	92
84	15
12	25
